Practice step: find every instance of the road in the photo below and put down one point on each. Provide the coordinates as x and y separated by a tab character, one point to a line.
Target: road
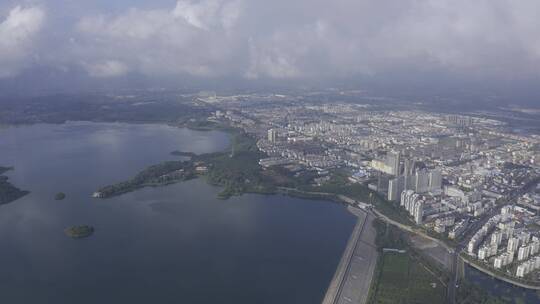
352	280
410	229
342	287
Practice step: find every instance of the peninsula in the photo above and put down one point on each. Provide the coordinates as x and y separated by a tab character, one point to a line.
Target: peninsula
5	169
237	171
8	192
157	175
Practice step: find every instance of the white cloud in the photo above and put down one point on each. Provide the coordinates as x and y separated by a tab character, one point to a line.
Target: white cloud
192	38
284	38
272	58
208	14
17	33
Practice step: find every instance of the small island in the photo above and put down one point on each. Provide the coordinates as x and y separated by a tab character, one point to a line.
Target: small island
78	232
60	196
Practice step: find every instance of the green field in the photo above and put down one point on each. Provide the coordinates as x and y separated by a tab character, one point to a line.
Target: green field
402	279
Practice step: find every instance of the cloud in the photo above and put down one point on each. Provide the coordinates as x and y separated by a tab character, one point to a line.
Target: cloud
192	38
283	39
210	14
17	33
109	68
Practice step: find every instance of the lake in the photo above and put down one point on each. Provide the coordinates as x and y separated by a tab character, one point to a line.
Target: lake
173	244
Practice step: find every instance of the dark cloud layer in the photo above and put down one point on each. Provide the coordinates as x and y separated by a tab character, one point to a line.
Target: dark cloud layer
275	40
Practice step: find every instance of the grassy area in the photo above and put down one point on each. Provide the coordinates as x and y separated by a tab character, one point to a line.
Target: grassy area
393	285
404	280
424	285
238	169
403	277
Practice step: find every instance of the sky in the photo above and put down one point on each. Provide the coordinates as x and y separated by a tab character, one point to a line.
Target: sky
486	42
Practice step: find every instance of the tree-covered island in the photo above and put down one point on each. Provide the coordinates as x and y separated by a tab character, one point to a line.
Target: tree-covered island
78	232
59	196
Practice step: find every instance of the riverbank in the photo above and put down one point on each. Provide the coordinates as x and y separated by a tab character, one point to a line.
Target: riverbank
499	276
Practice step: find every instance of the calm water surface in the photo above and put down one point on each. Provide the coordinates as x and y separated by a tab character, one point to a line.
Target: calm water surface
502	289
174	244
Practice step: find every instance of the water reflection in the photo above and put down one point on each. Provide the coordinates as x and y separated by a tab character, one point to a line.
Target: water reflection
175	244
500	288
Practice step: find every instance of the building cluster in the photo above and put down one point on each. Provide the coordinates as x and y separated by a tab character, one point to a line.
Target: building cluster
448	172
506	241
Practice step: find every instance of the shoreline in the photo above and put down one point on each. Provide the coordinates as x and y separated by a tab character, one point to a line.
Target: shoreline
353	279
298	193
498	276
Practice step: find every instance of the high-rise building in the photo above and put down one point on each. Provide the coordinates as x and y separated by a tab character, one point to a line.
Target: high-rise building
535	247
513	244
523	252
392	161
520	271
503	260
389	164
435	180
496	238
409	182
418	212
483	253
471	246
498	262
395	187
462	121
272	135
405	195
408	165
421	184
414	204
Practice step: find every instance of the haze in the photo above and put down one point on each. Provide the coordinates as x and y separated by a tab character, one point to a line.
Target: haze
483	44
